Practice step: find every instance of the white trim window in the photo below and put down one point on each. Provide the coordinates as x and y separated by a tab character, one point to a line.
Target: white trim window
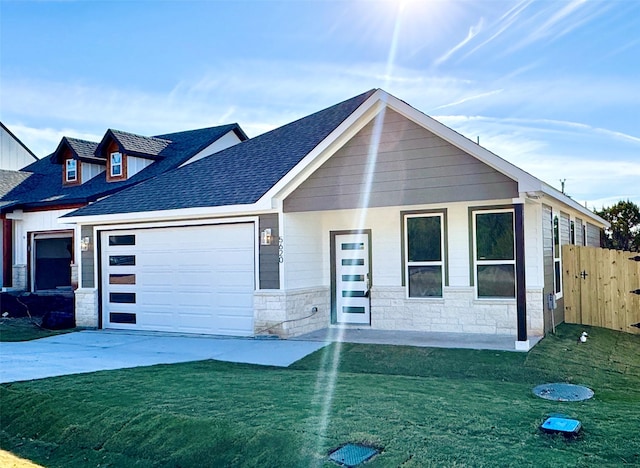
557	257
494	254
116	164
424	253
71	170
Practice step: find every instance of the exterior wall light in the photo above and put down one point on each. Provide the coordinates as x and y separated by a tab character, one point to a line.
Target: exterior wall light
84	244
265	237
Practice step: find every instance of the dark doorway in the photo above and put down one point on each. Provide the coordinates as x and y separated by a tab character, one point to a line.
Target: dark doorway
53	263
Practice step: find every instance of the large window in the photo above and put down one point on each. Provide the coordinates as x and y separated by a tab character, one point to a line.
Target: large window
71	170
494	254
116	164
424	251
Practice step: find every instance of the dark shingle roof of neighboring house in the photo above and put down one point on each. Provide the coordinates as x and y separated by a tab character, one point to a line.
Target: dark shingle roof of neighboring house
83	148
238	175
136	145
44	186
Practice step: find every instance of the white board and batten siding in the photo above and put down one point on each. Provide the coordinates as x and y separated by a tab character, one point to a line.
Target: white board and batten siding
224	142
13	154
135	165
36	221
89	171
190	279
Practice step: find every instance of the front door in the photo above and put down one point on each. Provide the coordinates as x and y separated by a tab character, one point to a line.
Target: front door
352	279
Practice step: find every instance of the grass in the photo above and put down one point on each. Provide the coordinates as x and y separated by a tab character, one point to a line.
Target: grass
25	329
421	406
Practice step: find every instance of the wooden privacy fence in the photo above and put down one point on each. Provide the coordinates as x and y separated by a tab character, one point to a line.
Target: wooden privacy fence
601	287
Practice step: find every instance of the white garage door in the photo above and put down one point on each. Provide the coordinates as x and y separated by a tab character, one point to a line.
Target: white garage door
196	279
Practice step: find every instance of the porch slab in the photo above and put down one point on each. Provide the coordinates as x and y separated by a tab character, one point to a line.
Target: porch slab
417	338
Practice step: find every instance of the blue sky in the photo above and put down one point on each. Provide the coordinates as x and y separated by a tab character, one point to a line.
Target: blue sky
552	86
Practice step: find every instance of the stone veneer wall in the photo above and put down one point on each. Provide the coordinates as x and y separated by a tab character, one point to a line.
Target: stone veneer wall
293	307
86	307
457	312
19	277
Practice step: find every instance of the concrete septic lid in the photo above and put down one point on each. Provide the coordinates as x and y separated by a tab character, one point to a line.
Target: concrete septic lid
563	392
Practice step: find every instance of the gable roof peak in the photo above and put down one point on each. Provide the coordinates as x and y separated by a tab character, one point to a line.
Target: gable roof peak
133	144
82	150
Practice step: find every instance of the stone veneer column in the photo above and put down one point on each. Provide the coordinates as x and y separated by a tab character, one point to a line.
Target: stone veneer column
19	277
86	307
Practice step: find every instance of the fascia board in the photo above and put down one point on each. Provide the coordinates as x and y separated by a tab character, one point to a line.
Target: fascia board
162	215
526	182
570	202
325	149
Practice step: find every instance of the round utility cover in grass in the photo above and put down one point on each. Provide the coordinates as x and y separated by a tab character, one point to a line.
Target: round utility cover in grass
563	392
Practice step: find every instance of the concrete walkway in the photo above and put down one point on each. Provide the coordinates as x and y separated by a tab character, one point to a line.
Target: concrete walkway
90	351
414	338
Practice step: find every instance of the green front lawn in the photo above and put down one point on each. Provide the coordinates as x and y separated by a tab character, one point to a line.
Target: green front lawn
422	406
25	329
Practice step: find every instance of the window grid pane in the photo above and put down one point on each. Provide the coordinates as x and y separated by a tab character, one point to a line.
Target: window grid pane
425	281
496	281
495	255
424	253
494	236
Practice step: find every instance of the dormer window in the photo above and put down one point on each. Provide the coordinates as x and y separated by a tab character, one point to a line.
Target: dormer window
71	170
116	164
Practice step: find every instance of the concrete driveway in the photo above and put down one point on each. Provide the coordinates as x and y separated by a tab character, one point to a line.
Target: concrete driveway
89	351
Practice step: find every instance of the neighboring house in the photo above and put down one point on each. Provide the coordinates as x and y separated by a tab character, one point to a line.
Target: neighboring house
14	154
368	213
41	253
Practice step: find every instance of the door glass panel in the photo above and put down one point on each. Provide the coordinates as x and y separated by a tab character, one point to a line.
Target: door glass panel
353	246
354	294
353	310
352	277
353	261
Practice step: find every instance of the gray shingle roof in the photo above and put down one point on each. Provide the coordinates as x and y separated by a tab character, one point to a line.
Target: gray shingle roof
83	148
42	185
138	144
238	175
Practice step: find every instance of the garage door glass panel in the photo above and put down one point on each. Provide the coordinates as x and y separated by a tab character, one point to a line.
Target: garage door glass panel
121	317
122	298
128	239
122	260
127	278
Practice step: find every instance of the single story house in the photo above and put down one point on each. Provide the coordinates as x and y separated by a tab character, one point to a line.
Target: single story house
42	254
368	214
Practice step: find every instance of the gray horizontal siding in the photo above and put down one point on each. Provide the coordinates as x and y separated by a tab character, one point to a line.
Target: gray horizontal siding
547	256
413	166
565	229
579	237
593	235
86	257
269	256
